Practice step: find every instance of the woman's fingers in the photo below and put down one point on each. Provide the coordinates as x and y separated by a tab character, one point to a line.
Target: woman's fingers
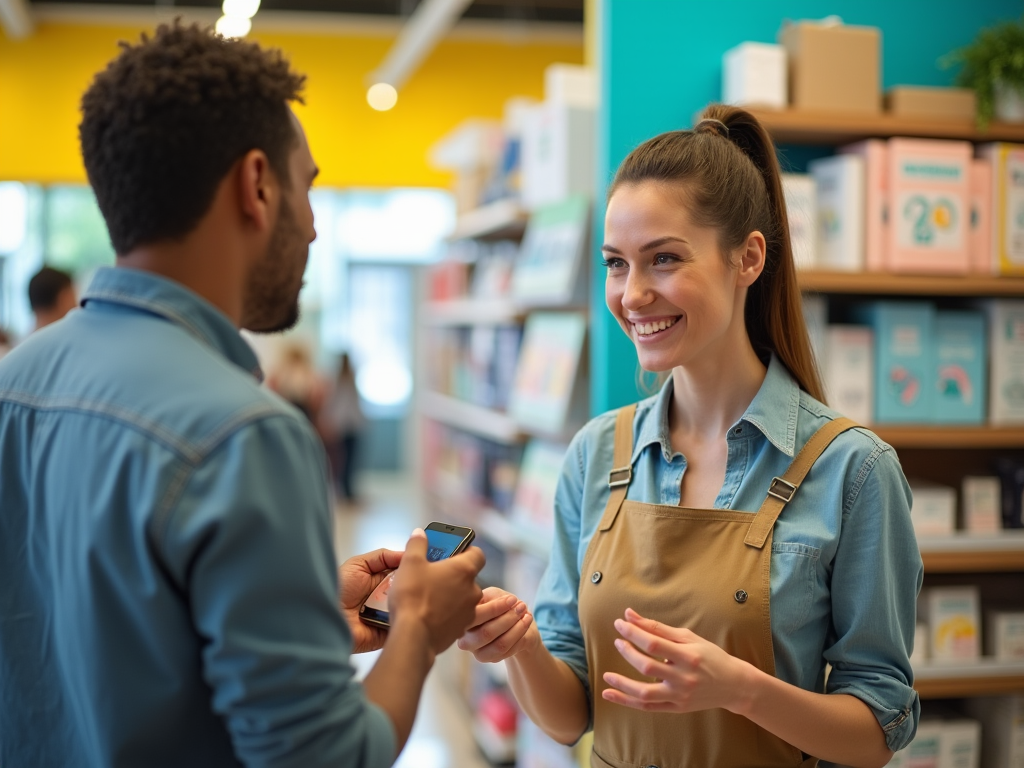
644	664
649	643
505	645
482	634
675	634
493	604
649	693
618	697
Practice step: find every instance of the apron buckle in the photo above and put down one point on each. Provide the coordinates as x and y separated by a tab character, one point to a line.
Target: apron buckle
619	477
782	490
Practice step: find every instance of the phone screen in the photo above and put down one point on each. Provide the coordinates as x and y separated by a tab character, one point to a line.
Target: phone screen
440	546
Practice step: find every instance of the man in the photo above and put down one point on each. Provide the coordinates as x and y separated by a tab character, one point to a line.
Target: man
51	295
169	589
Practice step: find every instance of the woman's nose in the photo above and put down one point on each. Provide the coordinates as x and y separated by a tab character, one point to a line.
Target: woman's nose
637	292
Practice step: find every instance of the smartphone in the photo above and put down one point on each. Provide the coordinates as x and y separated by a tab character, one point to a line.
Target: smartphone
443	541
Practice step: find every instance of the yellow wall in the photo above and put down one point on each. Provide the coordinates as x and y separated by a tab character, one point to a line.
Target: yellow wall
42	79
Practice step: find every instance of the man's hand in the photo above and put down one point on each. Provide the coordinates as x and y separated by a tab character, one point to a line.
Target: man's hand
358	577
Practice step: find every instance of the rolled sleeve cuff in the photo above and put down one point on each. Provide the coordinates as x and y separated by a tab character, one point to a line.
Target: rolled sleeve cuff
381	742
898	715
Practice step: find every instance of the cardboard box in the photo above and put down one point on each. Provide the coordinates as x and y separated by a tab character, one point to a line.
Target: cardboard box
848	369
833	67
960	746
802	210
933	511
840	185
1004	635
920	653
571	85
954	622
876	189
960	367
931	102
983	260
1006	353
929	206
558	154
981	504
1002	737
924	750
903	355
754	74
1007	239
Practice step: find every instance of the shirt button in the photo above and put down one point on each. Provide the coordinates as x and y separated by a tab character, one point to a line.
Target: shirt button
651	766
595	577
741	596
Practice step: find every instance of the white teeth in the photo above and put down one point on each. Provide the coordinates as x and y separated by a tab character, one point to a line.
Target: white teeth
646	329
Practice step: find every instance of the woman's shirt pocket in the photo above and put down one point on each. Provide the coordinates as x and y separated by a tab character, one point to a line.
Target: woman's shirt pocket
794	584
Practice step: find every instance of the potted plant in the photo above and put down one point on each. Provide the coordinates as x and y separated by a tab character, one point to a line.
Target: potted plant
993	66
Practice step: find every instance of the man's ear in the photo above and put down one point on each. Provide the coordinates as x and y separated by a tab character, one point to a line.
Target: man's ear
257	189
752	257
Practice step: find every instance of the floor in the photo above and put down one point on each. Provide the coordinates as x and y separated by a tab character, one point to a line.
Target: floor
441	737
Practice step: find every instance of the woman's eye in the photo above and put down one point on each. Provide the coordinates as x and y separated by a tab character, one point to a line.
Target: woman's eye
612	263
665	258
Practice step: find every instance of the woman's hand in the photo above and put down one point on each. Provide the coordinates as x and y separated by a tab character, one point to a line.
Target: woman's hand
501	627
691	673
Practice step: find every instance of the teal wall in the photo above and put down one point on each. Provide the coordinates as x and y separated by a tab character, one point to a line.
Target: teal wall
661	62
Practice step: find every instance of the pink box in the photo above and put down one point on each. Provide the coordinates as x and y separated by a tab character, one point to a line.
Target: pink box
1007	202
929	206
982	259
876	171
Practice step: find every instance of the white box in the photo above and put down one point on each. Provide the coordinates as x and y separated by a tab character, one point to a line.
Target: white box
1006	358
802	209
815	308
982	504
1002	736
571	85
754	74
925	749
841	190
960	745
933	511
557	154
849	371
876	200
1004	635
920	654
954	622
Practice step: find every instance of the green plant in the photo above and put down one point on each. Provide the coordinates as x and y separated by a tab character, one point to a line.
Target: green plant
995	56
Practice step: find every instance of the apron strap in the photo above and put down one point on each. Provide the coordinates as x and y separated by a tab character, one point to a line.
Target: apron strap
782	489
622	466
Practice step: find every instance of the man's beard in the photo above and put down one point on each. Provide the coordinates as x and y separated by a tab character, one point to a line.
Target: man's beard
272	288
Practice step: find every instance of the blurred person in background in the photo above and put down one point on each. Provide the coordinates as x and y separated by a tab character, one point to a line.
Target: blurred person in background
51	295
296	380
342	422
5	343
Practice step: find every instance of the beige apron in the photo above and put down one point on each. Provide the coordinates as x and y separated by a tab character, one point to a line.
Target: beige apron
704	569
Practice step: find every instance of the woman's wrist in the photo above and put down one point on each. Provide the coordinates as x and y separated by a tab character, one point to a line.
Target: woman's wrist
747	689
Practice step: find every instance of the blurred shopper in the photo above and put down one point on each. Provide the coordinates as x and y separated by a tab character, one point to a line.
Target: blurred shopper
170	594
296	380
5	343
51	295
343	421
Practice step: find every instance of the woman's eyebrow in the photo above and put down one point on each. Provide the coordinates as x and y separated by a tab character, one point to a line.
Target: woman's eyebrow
650	246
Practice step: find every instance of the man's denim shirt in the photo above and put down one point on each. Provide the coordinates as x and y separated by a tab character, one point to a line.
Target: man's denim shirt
168	588
845	567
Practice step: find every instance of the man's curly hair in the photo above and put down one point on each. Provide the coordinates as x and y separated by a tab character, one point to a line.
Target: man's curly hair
165	121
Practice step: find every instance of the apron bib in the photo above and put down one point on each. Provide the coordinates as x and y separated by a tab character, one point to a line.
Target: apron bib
708	570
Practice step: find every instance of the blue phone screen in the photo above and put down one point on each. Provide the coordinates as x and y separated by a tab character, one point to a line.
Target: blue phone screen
440	545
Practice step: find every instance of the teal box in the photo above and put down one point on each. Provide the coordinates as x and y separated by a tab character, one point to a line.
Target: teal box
960	366
903	360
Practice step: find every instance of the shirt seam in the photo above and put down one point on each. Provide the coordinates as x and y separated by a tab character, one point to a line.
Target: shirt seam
863	474
156	307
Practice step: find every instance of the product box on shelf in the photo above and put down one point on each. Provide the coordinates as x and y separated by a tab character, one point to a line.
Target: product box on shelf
876	200
754	74
961	744
534	503
960	368
550	267
571	84
1004	635
1006	355
933	511
840	184
903	354
923	751
920	654
472	150
953	615
1007	229
1002	736
848	367
802	211
833	67
931	102
815	310
557	154
981	504
980	241
929	206
1011	488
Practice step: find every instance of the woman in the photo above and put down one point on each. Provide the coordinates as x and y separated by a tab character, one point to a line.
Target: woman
343	421
717	545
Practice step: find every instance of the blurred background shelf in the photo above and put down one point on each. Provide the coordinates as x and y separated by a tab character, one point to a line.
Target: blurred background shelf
868	283
985	677
974	553
470	418
494	311
500	220
927	436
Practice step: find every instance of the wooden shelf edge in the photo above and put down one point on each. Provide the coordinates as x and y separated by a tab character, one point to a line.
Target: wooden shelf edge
497	220
984	678
929	436
473	311
468	417
885	283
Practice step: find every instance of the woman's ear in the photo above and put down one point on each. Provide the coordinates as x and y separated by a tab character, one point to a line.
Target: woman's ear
751	261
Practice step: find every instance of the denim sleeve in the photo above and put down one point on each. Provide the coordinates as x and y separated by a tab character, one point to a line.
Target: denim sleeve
876	578
557	605
249	542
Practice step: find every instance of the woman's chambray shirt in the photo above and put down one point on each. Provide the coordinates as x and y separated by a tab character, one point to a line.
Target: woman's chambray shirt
845	568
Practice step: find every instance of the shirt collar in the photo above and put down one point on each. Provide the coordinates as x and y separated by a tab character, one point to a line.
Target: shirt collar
145	291
773	411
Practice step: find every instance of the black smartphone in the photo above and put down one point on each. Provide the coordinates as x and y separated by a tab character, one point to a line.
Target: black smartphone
443	541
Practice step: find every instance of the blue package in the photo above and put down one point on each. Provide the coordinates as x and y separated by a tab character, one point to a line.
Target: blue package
960	367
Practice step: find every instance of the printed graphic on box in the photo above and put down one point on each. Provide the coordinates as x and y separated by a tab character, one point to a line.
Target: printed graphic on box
841	199
1006	353
1007	198
960	368
903	355
954	616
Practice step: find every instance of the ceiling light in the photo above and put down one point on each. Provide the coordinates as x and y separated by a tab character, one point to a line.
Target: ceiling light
243	9
382	96
233	26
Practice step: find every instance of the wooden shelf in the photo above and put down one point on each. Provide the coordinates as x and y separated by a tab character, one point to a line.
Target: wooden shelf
501	220
496	311
985	677
797	127
468	417
973	553
928	436
868	283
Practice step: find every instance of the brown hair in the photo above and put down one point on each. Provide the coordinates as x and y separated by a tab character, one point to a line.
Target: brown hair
733	183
